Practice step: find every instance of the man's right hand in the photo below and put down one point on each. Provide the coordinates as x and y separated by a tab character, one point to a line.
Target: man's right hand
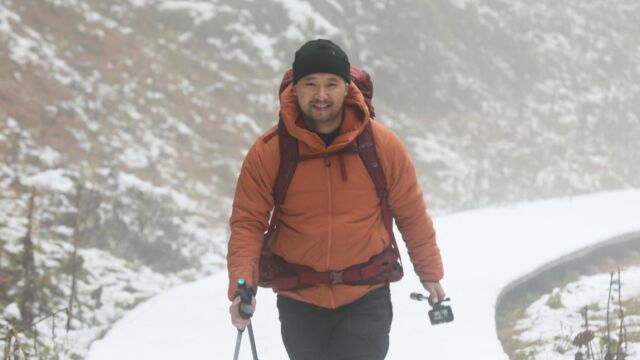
236	319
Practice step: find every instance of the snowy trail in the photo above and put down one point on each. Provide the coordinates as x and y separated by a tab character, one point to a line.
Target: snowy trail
483	251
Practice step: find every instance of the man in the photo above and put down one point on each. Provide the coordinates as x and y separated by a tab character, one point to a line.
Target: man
331	217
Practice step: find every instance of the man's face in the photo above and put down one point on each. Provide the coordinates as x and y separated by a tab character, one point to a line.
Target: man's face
320	96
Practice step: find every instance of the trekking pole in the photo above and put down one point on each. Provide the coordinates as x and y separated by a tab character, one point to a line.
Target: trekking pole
254	352
246	311
238	341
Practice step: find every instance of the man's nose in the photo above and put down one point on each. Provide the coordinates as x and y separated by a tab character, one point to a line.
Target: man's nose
321	93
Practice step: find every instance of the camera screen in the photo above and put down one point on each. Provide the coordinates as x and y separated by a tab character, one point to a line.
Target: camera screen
441	315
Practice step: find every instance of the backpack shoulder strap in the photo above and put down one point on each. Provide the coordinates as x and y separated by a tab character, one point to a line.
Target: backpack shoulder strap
367	151
288	163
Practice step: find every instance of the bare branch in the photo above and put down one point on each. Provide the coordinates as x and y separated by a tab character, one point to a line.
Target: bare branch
21	330
74	256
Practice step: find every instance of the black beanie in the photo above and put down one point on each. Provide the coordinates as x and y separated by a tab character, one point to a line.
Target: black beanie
321	56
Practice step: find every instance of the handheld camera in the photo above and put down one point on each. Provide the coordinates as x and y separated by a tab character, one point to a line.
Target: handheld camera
440	313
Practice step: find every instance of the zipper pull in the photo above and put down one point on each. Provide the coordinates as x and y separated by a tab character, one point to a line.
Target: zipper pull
327	162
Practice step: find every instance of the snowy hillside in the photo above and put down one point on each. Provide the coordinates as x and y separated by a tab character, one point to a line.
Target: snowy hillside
130	119
499	101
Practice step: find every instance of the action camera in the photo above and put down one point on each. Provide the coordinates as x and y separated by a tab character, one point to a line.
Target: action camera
440	313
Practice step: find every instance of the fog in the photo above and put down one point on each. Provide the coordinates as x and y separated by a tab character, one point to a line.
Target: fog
123	125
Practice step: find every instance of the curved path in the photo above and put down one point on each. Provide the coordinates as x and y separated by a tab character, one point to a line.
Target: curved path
483	250
586	261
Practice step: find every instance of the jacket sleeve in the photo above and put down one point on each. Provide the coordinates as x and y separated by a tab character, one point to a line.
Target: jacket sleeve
249	220
409	209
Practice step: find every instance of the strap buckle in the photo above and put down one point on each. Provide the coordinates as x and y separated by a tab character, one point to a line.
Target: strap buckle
336	277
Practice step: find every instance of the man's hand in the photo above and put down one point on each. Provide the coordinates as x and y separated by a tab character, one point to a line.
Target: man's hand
436	292
237	320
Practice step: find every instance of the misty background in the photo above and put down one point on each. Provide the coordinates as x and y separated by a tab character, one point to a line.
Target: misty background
130	119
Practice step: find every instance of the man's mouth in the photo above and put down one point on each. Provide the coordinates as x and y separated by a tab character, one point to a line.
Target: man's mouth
320	106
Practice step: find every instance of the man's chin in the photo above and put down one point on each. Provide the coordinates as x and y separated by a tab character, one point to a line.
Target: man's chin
320	119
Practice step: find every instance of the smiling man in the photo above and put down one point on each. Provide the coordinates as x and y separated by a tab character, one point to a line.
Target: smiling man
333	229
320	97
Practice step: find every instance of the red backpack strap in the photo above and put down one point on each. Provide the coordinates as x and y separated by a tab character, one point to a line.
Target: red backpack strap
288	164
367	151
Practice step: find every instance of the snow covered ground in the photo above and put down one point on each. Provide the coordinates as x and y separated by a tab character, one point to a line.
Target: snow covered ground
483	251
560	314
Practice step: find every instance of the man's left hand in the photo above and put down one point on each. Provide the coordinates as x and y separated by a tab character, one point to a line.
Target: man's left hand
436	292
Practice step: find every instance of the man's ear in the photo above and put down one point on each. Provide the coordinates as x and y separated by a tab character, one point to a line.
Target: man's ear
293	88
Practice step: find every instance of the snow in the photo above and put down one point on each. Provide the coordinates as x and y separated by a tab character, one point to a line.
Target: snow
53	179
5	16
464	3
301	15
201	11
134	158
49	156
126	180
483	250
11	312
245	121
26	46
262	42
544	323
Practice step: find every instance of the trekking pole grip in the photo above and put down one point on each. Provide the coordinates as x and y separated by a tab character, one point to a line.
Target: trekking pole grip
245	307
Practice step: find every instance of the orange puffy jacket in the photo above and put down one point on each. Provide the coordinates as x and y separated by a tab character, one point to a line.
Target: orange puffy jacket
331	216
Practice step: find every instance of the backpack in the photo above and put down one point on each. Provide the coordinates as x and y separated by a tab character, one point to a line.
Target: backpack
278	274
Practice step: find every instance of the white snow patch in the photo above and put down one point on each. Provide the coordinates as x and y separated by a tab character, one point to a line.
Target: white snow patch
301	16
7	15
33	49
139	3
244	120
337	5
63	230
134	158
49	156
200	11
11	312
261	41
53	179
126	180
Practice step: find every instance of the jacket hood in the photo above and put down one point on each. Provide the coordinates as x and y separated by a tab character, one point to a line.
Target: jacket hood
355	119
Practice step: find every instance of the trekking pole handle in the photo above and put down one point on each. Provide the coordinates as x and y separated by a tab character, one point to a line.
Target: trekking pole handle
245	307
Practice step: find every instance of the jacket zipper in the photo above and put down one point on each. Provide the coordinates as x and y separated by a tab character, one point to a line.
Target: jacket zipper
327	163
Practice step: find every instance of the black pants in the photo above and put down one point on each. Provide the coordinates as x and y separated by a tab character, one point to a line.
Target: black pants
357	331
